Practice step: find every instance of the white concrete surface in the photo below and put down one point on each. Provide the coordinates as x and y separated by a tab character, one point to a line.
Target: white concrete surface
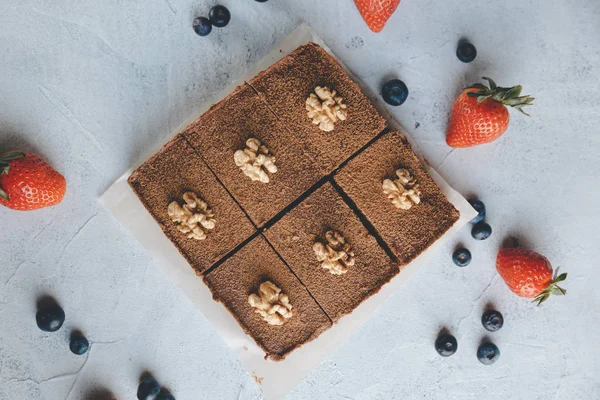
92	84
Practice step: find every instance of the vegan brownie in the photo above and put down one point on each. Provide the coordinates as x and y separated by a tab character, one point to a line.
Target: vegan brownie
287	84
165	177
294	236
241	275
226	127
408	232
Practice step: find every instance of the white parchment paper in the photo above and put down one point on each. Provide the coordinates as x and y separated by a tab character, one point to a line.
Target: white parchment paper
275	378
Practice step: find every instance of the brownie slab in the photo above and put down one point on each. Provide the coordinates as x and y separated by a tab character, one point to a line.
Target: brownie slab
407	232
165	177
294	236
241	275
287	84
226	127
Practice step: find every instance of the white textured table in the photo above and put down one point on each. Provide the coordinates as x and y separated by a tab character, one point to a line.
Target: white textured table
91	85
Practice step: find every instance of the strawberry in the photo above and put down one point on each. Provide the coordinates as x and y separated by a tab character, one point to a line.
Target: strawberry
27	182
376	12
529	274
479	114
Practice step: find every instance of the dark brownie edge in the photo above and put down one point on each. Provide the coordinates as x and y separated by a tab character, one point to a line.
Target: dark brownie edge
365	221
297	277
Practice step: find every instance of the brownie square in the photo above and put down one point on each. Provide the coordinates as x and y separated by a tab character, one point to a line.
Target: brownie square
224	129
407	232
165	177
241	275
287	84
293	238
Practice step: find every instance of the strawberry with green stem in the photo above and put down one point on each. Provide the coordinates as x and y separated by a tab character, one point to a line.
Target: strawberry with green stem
529	274
27	182
480	113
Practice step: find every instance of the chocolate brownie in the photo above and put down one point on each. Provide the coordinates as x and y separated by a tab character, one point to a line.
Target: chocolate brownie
407	232
241	275
287	84
294	236
226	127
165	177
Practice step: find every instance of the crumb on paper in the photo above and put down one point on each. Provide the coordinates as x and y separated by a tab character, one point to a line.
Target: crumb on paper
257	378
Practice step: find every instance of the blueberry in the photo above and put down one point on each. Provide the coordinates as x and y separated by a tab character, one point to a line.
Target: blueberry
164	396
202	26
480	208
461	257
446	345
50	317
465	51
148	388
79	344
492	320
481	231
219	16
488	353
394	92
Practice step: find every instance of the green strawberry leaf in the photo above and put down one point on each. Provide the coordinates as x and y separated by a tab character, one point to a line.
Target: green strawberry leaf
479	86
541	298
513	92
558	291
13	155
560	278
510	96
493	85
3	195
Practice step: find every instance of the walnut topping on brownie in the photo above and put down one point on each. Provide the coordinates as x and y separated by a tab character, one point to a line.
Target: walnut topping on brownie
271	304
336	255
255	161
194	219
404	191
325	108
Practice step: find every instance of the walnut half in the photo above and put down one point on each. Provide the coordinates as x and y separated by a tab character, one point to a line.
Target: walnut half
271	304
325	108
336	255
403	191
194	219
255	161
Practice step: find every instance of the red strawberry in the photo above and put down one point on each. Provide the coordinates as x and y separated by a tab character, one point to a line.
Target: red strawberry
376	12
529	274
479	114
27	182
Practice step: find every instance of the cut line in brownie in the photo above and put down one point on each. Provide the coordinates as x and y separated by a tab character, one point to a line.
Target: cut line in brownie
177	169
287	84
294	238
241	275
225	129
408	232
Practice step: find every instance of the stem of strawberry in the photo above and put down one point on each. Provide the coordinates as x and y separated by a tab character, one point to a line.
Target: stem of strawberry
508	96
552	288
